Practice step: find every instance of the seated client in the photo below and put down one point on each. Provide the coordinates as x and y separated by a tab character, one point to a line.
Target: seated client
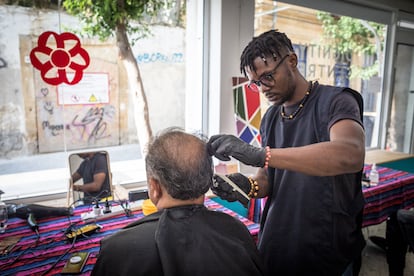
183	237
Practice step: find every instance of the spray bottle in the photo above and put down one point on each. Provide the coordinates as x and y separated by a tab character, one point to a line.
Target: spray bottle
373	175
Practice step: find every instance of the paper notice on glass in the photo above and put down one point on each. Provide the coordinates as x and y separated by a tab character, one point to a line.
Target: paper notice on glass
92	89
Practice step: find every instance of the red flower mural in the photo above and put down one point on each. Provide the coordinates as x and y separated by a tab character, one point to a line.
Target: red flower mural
56	55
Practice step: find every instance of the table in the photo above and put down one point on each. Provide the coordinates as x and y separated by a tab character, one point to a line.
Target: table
395	191
384	156
32	256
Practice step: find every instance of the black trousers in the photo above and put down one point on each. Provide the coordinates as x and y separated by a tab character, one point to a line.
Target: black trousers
396	247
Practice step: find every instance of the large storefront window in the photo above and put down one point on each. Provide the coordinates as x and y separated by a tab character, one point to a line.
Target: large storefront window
48	112
334	50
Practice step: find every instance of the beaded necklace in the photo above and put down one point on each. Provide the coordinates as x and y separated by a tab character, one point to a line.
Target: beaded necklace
299	108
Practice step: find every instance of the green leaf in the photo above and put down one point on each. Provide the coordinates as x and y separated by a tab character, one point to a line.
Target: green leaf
351	35
101	18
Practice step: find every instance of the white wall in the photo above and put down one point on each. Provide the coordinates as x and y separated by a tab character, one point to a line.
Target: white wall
228	26
15	21
236	30
161	59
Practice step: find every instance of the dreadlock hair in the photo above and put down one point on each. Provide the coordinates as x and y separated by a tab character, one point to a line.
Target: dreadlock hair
271	44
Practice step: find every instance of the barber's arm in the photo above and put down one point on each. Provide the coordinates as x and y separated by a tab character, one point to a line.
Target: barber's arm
344	153
98	180
75	177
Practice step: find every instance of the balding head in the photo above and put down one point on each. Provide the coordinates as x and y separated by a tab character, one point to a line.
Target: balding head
180	163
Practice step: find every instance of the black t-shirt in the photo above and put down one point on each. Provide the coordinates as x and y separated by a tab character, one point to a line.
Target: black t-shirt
311	225
88	168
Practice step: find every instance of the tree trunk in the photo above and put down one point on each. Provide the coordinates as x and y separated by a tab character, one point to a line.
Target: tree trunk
136	88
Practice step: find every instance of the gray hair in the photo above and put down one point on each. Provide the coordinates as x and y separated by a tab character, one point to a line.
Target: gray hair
180	162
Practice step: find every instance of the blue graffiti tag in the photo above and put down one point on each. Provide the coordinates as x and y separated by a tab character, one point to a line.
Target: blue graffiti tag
159	57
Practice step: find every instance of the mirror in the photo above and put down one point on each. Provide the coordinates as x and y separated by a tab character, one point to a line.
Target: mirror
90	177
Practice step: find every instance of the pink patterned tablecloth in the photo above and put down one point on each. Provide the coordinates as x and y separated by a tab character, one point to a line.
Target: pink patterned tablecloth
394	191
34	255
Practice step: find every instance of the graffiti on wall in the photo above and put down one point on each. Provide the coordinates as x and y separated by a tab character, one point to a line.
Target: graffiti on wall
90	126
79	126
93	125
160	57
12	137
3	63
9	142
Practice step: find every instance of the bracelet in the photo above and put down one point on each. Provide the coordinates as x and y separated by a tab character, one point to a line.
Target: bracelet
254	188
267	158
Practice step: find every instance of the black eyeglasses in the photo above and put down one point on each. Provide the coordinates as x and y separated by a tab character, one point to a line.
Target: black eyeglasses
267	79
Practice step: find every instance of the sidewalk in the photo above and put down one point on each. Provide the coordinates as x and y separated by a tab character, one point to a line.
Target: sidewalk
48	174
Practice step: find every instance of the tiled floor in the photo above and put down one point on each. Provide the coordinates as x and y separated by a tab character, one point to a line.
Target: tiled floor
374	262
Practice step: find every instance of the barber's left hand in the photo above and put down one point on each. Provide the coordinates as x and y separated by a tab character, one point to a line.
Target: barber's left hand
223	146
225	191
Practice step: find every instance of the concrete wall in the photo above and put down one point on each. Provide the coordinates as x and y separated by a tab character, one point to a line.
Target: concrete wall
23	111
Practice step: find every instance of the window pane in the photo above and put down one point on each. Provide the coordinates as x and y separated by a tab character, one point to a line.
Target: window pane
400	130
334	50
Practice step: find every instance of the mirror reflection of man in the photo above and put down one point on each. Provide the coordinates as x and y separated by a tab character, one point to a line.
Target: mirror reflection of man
94	172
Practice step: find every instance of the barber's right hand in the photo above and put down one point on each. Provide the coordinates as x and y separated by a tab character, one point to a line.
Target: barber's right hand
222	146
225	191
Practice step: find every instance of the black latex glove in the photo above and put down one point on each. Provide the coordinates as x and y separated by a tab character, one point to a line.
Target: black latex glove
225	191
223	146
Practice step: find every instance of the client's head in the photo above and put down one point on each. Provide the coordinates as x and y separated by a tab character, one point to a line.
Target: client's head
179	168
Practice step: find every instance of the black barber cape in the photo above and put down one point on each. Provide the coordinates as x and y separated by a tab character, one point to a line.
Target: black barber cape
185	240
